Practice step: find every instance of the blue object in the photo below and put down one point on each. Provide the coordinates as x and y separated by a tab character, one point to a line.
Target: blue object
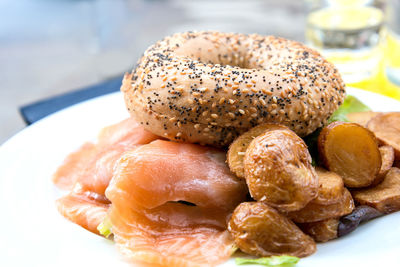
40	109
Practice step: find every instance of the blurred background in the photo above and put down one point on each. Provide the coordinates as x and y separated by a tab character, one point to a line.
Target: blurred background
49	47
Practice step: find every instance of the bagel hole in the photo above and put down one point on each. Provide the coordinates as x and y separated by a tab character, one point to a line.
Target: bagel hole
212	55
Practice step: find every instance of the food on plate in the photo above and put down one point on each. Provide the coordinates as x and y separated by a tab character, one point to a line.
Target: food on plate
92	159
163	171
314	212
237	149
88	171
325	230
73	165
171	202
282	261
84	210
351	151
396	163
167	201
384	197
321	231
387	155
386	127
209	87
360	214
278	171
259	229
163	196
350	104
362	117
330	187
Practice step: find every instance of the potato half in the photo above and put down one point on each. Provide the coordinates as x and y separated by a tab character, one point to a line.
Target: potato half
384	197
278	170
262	231
361	118
237	149
314	212
321	231
387	155
330	189
351	151
386	127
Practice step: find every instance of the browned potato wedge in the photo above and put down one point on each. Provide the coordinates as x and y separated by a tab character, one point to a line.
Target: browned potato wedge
237	149
314	212
386	127
260	230
384	197
387	155
351	151
278	170
361	118
330	189
321	231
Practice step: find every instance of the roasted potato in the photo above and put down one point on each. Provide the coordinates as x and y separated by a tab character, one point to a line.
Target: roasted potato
330	189
351	151
387	155
350	222
361	118
321	231
396	163
384	197
314	212
237	149
278	170
260	230
386	127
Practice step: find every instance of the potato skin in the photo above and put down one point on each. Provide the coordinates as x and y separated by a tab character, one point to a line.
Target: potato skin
387	155
330	189
314	212
237	149
361	118
321	231
278	170
351	151
260	230
385	126
384	197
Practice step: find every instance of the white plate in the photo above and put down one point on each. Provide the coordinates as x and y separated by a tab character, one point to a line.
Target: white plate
34	234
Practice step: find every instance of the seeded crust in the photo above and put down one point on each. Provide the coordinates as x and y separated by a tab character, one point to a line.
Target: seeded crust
209	87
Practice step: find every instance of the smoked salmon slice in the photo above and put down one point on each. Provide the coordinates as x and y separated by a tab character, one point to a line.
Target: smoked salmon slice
88	171
82	210
170	204
88	160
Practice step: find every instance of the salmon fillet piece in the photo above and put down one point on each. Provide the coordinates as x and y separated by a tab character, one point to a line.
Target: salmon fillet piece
88	171
88	159
83	211
171	202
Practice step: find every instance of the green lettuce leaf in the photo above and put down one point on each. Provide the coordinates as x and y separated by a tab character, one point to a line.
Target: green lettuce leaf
350	104
282	261
105	228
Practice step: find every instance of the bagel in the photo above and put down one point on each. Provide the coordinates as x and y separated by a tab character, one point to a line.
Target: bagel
209	87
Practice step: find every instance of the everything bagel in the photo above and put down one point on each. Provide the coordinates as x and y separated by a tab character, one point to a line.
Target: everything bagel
209	87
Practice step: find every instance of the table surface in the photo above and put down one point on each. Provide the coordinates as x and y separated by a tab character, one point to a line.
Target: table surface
52	47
